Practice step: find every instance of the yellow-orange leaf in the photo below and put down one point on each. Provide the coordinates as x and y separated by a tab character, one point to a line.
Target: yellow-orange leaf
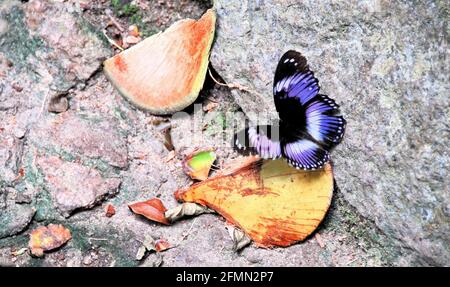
274	203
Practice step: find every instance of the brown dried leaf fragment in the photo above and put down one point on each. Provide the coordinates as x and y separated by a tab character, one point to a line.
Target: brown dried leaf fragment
162	245
152	209
110	210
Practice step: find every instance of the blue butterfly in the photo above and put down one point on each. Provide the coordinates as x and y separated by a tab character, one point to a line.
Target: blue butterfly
309	123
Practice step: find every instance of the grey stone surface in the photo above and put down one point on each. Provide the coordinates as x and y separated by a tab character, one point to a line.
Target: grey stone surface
14	218
386	63
10	155
45	49
76	52
73	186
95	139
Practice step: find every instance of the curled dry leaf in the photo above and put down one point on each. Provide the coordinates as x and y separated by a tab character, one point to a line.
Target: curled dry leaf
186	209
240	239
47	238
273	203
180	211
198	164
150	245
152	209
147	245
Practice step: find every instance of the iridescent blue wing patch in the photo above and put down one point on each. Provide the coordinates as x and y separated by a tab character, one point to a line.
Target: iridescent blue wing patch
322	121
263	140
305	154
293	81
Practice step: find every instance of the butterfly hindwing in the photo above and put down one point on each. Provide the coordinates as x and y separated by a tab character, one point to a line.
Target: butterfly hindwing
305	154
263	140
322	121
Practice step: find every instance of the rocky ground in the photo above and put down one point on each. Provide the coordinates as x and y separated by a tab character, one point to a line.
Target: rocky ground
70	145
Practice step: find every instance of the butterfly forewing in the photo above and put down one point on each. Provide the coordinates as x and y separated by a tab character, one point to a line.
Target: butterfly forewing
290	63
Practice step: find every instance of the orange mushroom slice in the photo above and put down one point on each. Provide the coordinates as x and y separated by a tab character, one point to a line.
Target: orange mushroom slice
272	202
165	72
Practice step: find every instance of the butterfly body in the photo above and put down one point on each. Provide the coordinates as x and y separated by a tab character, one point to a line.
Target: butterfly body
294	115
309	123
